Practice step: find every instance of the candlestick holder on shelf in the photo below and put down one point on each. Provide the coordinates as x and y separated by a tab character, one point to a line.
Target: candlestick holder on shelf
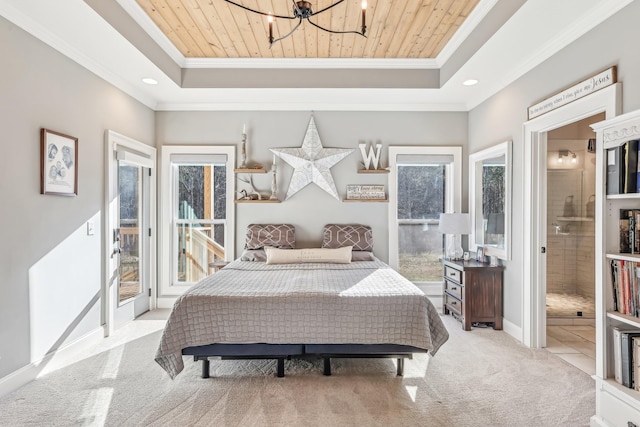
243	154
273	181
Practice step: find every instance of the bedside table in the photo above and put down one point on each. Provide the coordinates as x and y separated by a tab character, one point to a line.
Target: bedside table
472	292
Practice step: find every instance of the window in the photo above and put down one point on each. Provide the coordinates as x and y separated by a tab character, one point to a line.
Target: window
424	182
198	210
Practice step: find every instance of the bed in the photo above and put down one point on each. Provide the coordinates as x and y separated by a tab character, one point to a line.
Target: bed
315	307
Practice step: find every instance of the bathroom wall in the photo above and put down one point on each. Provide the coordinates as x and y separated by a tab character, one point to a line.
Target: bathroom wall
570	227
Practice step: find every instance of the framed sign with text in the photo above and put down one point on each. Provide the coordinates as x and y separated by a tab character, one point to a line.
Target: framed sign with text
577	91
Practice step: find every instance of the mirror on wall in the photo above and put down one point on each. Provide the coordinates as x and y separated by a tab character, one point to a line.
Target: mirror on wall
490	200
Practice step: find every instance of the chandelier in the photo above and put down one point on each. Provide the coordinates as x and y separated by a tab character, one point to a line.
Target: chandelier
302	10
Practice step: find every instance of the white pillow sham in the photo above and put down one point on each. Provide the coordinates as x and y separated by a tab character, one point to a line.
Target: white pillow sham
297	256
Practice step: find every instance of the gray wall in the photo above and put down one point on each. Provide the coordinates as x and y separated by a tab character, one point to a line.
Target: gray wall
311	208
50	270
501	117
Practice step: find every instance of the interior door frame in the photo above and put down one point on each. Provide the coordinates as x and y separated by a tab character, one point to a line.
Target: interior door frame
608	101
113	140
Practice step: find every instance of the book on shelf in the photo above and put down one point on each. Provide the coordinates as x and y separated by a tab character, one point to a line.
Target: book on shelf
624	362
615	177
631	166
625	285
636	363
623	168
630	231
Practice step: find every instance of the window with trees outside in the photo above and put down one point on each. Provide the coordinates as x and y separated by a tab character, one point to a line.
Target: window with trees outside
424	182
198	213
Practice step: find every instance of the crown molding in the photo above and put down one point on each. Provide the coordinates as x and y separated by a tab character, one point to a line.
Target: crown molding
316	63
475	17
147	24
34	28
596	15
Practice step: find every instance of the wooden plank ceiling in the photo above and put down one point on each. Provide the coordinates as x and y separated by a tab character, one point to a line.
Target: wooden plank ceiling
395	28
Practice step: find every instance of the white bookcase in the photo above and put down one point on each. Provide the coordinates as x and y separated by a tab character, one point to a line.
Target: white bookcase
616	405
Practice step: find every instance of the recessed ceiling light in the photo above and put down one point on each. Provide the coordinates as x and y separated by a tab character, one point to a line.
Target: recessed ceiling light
149	81
470	82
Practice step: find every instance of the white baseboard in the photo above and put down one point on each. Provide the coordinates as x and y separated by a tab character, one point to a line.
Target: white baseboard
50	362
166	302
596	421
511	329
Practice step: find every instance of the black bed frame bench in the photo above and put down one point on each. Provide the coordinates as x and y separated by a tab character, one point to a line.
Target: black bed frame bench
280	352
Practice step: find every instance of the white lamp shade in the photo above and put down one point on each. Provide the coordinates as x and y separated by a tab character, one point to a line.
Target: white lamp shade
455	223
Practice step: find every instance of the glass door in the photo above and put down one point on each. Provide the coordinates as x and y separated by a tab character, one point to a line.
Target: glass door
133	243
130	270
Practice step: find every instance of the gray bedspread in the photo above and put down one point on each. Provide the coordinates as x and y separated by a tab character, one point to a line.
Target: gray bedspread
250	302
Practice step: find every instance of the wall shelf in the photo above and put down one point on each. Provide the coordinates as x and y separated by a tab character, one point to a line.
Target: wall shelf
374	171
257	201
366	200
250	170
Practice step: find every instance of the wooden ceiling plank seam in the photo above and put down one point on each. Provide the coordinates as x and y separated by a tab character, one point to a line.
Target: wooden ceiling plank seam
402	28
166	10
424	22
451	31
192	27
245	32
223	14
389	27
469	5
426	29
324	38
337	24
352	21
164	26
432	47
197	14
218	29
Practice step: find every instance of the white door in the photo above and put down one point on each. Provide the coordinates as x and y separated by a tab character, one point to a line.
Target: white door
129	230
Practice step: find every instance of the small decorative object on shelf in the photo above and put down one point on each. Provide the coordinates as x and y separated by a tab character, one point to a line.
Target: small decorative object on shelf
252	194
243	154
274	187
366	192
371	159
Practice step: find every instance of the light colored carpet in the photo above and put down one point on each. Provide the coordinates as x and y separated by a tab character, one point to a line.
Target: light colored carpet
478	378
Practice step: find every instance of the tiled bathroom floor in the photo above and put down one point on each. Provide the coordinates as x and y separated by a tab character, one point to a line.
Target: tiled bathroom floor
576	344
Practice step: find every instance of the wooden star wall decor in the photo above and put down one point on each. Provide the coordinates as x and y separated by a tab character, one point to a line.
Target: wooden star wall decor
312	162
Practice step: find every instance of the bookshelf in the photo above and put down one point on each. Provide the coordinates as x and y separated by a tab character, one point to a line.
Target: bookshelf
615	403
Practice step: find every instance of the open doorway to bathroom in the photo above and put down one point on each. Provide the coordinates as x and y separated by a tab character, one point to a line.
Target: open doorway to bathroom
570	275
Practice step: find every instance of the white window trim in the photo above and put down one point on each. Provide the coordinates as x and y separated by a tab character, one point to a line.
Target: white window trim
167	288
453	200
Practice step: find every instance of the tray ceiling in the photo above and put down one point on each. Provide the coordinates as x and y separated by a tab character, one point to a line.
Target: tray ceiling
399	29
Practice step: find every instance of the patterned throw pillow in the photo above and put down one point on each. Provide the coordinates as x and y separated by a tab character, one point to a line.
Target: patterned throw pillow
339	235
281	236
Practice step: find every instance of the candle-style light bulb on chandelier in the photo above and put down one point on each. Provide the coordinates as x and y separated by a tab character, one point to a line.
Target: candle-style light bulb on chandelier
302	10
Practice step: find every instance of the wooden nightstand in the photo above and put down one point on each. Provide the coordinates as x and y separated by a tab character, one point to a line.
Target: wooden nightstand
472	292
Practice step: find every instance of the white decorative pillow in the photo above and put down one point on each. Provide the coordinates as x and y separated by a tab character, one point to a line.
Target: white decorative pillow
297	256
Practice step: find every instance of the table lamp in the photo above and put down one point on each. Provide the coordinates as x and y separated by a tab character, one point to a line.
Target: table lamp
455	224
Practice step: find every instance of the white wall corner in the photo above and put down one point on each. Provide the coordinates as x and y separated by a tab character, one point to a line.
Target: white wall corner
512	329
